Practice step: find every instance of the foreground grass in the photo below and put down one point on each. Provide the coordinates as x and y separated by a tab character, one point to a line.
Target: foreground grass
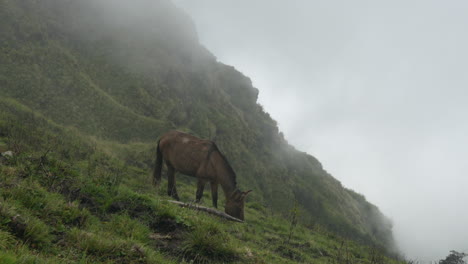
88	222
66	198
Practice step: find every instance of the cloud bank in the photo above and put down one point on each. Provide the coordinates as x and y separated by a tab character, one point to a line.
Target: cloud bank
377	91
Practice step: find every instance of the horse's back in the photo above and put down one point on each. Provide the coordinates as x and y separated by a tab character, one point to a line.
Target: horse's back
180	139
184	152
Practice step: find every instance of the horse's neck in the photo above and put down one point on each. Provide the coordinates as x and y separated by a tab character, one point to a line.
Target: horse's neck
228	189
226	177
227	183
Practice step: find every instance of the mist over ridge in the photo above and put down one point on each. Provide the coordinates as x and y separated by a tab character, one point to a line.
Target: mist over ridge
374	90
121	74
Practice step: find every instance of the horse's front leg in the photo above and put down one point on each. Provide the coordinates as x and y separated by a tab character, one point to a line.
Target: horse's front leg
214	193
171	188
200	187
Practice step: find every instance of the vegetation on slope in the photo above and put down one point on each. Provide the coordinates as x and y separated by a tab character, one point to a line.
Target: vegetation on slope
115	76
64	200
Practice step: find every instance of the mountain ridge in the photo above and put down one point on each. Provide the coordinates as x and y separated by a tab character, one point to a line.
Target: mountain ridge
80	69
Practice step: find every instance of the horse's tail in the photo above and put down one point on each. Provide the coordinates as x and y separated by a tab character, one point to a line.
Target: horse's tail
158	166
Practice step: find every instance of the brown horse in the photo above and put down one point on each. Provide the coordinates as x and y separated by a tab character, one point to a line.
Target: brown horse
201	159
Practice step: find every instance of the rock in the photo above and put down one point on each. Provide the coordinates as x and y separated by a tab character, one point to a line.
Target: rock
7	154
4	156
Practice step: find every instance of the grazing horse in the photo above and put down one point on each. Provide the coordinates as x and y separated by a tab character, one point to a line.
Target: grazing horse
201	159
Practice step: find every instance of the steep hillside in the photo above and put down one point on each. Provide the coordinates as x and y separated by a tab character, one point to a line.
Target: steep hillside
120	74
65	200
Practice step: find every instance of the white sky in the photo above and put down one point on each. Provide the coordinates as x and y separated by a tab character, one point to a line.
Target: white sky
376	90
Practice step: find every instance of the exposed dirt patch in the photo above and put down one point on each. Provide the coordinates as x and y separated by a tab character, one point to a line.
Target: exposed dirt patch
168	235
166	225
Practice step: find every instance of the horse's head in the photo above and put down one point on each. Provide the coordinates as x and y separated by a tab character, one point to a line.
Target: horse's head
235	204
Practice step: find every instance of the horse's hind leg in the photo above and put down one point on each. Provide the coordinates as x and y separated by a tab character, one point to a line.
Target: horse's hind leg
214	193
200	187
171	188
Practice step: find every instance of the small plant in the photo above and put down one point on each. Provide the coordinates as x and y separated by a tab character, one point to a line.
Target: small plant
376	256
343	254
454	257
294	215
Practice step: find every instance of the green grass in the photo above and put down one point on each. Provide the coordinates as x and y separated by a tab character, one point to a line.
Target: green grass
210	242
64	69
82	108
80	204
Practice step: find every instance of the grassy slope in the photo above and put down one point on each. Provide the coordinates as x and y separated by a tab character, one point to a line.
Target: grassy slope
63	200
55	66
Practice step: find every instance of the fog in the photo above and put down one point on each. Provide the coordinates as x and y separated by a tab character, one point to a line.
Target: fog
377	91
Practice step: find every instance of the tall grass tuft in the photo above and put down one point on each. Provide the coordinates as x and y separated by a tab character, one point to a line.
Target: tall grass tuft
104	246
208	243
7	240
24	226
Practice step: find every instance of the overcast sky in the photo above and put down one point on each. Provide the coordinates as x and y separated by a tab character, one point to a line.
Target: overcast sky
376	90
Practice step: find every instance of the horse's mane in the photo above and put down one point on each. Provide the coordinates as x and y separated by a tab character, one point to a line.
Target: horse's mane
228	166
